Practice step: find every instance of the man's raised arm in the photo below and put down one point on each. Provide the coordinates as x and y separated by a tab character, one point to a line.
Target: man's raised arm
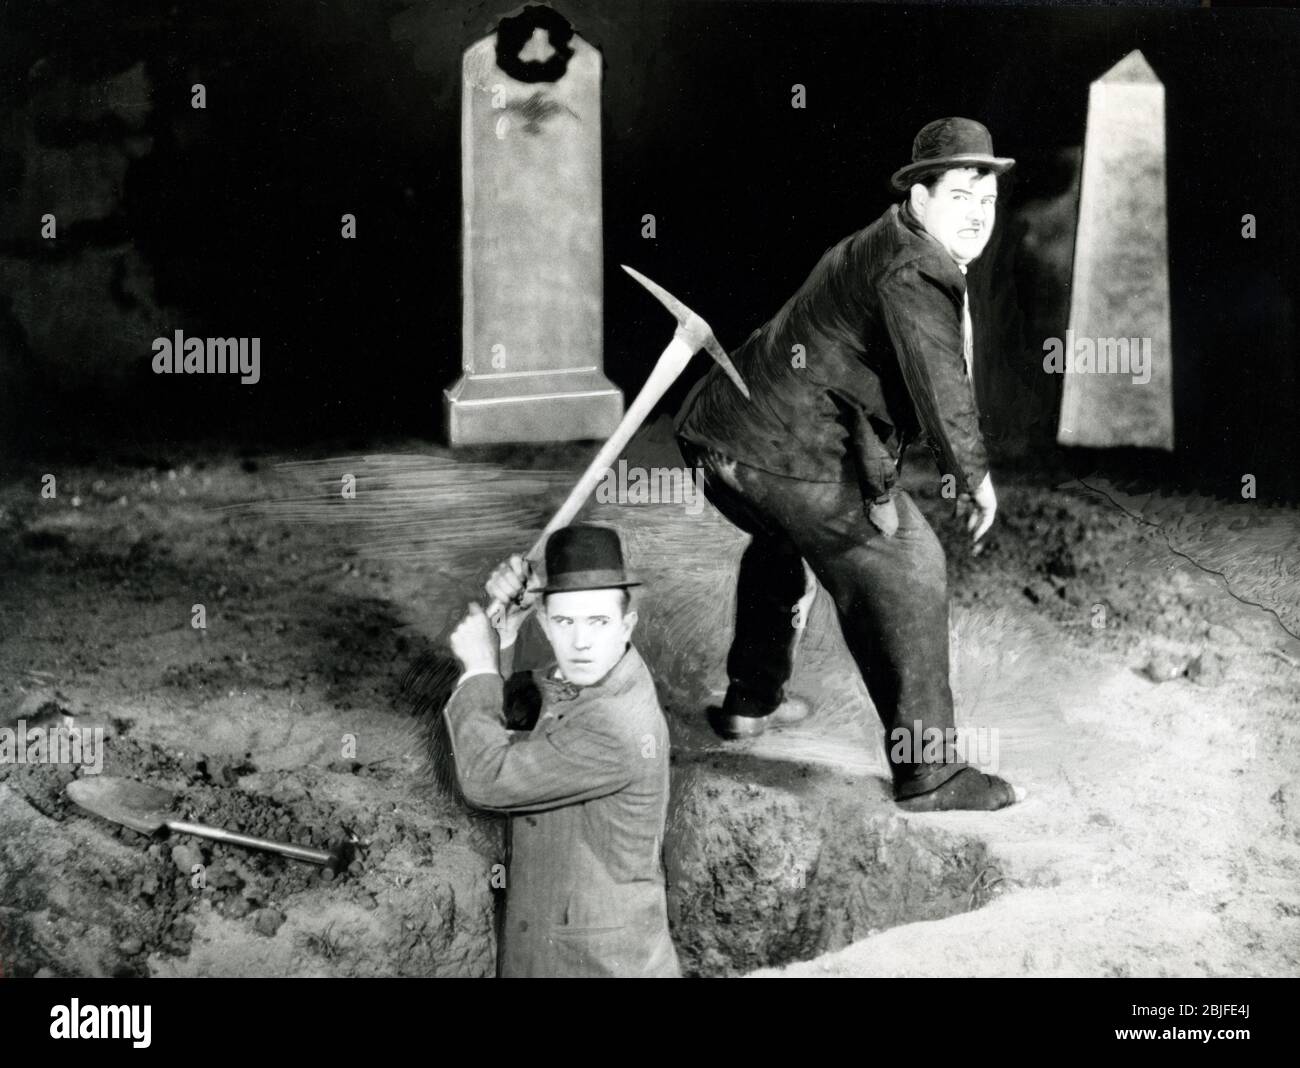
584	760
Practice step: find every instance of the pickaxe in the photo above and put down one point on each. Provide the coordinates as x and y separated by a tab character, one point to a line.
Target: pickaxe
691	335
430	679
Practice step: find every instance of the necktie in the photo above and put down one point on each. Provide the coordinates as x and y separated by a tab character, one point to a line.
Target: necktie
967	334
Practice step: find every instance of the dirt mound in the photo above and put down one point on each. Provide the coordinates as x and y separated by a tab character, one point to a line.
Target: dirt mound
153	895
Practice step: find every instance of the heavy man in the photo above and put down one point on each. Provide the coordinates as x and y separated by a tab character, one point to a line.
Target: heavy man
873	352
586	788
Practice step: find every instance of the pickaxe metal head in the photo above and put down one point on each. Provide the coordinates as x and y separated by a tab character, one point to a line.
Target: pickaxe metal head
694	330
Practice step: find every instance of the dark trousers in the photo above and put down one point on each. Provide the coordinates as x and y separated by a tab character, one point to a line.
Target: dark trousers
890	593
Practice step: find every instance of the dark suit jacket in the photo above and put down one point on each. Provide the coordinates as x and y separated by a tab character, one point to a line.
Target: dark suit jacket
587	793
880	325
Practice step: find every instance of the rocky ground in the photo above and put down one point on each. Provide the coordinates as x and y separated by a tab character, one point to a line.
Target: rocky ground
1130	657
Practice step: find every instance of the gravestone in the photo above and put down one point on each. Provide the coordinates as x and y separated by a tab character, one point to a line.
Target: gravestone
1119	376
532	355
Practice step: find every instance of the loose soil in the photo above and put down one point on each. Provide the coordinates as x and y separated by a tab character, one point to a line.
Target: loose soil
1133	652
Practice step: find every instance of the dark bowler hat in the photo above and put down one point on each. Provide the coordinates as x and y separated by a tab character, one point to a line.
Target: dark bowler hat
947	143
585	558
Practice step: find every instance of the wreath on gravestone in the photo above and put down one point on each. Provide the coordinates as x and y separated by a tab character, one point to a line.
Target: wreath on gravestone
515	31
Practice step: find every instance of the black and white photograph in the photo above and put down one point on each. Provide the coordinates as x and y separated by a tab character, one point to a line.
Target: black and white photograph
649	489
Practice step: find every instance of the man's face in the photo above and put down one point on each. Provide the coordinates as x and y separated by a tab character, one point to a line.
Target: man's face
588	631
959	212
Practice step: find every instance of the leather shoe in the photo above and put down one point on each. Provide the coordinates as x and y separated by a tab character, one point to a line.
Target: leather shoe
968	789
792	710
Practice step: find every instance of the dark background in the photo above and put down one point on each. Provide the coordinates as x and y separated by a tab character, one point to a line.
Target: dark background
225	221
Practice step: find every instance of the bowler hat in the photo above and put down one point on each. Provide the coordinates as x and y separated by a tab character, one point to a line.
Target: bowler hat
585	558
947	143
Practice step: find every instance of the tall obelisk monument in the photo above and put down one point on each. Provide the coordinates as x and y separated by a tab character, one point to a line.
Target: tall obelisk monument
1119	380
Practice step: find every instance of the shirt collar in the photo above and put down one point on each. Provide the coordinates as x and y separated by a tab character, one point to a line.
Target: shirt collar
615	680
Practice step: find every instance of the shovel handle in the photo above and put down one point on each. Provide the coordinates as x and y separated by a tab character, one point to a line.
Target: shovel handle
216	834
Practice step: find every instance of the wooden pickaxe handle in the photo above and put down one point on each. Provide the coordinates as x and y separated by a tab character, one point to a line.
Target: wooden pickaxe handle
666	371
692	334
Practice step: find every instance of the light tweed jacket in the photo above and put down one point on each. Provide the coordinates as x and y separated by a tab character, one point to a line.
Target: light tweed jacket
587	794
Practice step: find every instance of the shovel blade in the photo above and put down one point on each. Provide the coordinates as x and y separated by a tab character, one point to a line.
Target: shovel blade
133	804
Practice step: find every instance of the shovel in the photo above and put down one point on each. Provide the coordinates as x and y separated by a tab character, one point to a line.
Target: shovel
147	809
